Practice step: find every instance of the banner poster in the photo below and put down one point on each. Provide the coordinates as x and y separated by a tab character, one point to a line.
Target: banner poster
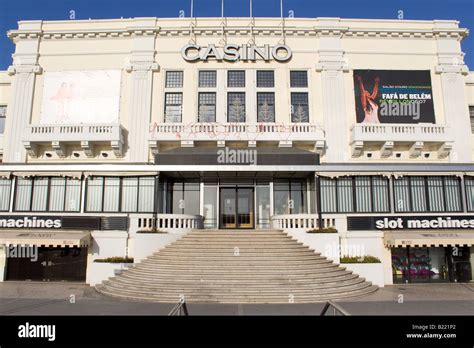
393	96
81	97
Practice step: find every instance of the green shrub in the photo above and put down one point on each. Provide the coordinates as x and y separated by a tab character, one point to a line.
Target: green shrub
151	231
115	259
361	259
323	230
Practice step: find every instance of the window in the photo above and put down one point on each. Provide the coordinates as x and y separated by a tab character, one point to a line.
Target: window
48	194
3	115
236	78
471	115
360	194
266	107
120	194
173	107
207	78
265	78
289	196
236	107
183	197
431	193
5	190
298	79
207	107
174	79
299	107
469	184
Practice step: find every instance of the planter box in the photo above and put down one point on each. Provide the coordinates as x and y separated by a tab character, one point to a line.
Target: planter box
325	243
372	272
100	271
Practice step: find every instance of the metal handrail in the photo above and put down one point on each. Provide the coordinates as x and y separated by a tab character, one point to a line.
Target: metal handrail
335	308
180	309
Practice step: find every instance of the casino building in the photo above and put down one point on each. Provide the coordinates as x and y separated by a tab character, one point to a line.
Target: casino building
115	127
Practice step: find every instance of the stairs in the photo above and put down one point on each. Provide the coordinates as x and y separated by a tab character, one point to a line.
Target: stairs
236	266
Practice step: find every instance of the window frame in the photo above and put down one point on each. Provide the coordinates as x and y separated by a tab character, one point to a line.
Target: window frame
166	105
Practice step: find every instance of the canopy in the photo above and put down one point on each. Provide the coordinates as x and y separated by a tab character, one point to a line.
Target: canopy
428	238
45	238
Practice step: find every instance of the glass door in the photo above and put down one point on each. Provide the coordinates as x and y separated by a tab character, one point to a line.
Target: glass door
236	207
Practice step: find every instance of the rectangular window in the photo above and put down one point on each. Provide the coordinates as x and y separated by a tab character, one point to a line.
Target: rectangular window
174	79
3	115
363	194
173	107
298	79
471	115
57	194
121	194
24	188
184	197
236	78
344	195
207	107
111	194
40	194
423	194
265	78
290	196
299	107
94	193
236	107
369	194
469	185
266	107
73	195
207	78
5	191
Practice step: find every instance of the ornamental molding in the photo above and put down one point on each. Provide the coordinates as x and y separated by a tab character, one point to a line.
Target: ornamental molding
316	31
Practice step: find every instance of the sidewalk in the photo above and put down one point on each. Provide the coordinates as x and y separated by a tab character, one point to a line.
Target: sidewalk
25	298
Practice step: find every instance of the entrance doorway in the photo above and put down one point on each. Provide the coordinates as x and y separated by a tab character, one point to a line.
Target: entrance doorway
237	208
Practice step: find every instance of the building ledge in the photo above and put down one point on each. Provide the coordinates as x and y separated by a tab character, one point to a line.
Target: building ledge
59	137
413	137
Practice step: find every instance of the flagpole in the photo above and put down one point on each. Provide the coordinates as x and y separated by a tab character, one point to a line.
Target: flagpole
222	8
281	9
192	8
251	12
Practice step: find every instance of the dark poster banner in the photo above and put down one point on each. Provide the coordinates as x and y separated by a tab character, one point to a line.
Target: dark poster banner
393	96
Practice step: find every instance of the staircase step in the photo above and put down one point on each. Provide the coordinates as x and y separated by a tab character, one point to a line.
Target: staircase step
270	267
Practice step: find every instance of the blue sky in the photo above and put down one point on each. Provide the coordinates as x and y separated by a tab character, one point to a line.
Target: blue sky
12	11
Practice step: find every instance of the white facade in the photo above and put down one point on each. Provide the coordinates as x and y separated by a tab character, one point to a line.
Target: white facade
132	58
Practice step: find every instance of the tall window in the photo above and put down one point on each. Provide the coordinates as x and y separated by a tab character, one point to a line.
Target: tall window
299	107
289	196
430	193
48	194
298	79
265	107
469	185
173	107
174	96
183	197
3	115
360	194
120	194
236	107
207	107
471	115
5	190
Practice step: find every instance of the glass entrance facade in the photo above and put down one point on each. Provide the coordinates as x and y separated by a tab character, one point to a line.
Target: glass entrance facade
235	203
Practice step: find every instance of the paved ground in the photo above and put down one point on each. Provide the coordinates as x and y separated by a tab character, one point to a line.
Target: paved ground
30	298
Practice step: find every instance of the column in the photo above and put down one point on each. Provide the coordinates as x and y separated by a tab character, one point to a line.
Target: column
332	67
451	69
24	69
141	67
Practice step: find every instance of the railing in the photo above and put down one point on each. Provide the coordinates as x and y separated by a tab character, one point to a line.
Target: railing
397	132
304	221
236	131
166	222
86	132
335	309
179	309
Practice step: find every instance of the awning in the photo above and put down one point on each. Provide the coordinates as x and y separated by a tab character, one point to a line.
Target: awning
114	174
45	238
428	238
74	175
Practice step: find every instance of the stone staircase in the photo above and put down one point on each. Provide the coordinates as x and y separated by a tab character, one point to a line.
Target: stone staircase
236	266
